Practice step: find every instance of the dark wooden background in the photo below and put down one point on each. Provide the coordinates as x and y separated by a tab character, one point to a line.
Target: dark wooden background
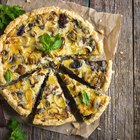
121	121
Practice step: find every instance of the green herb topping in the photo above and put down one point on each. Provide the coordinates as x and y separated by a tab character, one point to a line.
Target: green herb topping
49	42
85	97
17	133
7	76
8	13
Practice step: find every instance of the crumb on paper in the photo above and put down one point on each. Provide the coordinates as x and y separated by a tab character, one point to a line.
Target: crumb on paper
28	1
99	129
113	71
121	52
76	125
67	130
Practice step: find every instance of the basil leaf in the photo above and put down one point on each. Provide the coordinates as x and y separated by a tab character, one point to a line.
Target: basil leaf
7	76
45	39
50	42
57	44
85	97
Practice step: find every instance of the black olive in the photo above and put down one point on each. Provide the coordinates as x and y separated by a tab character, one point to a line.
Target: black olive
20	30
76	64
42	26
62	21
20	94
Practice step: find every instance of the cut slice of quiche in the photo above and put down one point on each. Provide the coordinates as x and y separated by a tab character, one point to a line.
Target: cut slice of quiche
17	59
52	109
22	95
90	104
96	73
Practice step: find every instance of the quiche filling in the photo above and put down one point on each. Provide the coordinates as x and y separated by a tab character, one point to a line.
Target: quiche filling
88	101
52	109
22	94
93	72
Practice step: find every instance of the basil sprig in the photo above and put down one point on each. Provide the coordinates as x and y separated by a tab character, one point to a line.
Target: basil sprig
85	97
49	42
7	76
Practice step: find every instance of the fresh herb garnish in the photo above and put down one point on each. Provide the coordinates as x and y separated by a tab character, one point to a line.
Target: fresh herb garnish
17	133
85	97
7	76
8	13
49	42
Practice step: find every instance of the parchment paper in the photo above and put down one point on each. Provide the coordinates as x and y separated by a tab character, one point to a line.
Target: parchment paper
108	24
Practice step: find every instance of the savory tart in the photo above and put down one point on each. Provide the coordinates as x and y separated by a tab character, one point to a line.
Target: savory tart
22	94
52	109
42	32
96	73
90	104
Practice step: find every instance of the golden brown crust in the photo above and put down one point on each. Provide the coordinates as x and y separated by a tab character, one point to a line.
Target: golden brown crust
13	103
54	122
98	113
108	76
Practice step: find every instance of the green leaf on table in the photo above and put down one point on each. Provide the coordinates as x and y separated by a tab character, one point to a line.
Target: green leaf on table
8	13
85	97
17	133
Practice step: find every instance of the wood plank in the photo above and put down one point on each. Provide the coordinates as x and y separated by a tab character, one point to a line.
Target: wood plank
136	8
117	122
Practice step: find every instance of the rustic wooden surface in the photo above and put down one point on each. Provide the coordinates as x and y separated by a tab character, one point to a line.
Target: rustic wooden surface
121	121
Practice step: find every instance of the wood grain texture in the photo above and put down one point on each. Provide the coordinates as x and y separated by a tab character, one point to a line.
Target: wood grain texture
122	118
118	122
136	31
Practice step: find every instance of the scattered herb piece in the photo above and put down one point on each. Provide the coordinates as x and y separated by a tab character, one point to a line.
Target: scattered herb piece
8	13
49	42
85	97
17	133
7	76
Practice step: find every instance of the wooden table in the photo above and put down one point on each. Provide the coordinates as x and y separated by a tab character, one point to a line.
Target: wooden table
121	121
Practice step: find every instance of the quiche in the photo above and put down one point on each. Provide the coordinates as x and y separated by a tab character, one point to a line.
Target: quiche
21	48
52	109
90	104
22	95
30	52
96	73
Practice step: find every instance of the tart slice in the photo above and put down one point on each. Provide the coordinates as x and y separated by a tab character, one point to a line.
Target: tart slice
96	73
22	95
90	104
16	60
52	109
